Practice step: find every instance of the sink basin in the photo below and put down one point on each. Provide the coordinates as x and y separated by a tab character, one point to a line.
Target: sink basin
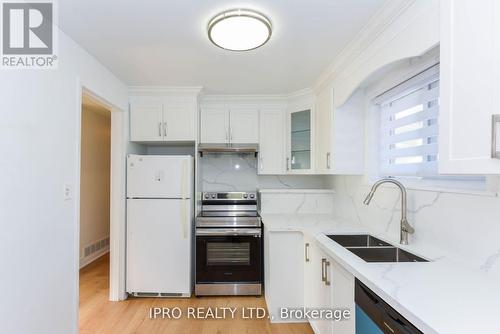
357	240
385	254
372	249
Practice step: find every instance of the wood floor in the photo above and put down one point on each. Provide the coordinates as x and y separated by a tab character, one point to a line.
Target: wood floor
98	315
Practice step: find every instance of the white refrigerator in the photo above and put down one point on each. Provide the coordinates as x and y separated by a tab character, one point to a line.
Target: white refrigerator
159	225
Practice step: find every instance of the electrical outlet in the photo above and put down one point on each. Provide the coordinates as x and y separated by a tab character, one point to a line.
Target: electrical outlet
68	192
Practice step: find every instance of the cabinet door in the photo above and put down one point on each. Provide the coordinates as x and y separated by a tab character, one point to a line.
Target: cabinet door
284	268
321	292
312	278
179	120
324	131
470	82
299	158
244	126
146	122
342	283
215	125
272	141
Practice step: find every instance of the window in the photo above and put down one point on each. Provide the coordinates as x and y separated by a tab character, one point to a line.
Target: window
409	126
408	141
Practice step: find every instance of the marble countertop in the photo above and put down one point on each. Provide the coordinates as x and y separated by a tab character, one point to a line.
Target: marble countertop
444	296
296	191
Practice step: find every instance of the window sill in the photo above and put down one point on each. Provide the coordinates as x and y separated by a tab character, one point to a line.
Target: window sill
415	185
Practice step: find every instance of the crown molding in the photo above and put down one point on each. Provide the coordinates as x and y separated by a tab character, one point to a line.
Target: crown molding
375	26
164	90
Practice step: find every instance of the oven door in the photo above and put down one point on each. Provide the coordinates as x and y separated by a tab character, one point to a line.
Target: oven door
228	255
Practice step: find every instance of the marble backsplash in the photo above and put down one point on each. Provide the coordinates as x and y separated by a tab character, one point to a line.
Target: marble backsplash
466	225
238	172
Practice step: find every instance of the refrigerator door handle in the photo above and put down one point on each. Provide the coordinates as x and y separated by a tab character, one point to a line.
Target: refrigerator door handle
184	217
184	199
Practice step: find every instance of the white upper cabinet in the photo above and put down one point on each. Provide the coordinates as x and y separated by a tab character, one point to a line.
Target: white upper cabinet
272	141
470	86
179	121
214	125
299	158
229	126
244	125
146	122
324	131
339	133
159	121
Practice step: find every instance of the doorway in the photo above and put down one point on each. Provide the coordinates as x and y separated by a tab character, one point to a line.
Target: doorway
95	173
100	260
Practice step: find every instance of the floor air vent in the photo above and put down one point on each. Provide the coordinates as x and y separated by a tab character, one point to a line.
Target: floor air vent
95	247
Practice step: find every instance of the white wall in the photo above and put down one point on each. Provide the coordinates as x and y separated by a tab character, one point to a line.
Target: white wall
94	178
39	142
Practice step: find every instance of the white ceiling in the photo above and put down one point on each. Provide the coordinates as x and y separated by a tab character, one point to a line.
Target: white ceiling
164	42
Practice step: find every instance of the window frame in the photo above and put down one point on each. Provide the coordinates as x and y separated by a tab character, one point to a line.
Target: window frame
466	184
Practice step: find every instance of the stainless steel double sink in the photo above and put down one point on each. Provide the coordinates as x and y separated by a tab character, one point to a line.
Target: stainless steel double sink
372	249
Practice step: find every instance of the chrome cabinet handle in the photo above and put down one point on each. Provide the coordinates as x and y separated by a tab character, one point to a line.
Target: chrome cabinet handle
159	129
165	129
323	276
328	160
287	163
327	281
230	133
495	133
306	252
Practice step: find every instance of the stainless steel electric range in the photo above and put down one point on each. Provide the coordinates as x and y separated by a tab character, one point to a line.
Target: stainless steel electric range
229	249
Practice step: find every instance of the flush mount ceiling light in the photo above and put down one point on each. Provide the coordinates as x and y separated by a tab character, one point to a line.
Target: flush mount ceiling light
239	30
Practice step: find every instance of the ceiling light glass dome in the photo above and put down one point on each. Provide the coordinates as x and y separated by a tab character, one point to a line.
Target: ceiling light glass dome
239	30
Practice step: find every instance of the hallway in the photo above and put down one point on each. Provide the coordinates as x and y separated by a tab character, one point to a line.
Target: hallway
98	315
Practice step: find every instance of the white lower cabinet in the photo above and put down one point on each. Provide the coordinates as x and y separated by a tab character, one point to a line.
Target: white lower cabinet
317	287
343	298
283	272
327	286
298	273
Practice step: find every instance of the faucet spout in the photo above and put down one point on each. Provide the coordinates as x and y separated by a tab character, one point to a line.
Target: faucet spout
405	227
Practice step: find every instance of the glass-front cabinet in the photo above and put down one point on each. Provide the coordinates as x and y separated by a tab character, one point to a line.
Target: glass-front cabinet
299	155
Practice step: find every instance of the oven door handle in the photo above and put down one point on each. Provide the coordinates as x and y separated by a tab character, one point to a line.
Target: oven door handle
256	232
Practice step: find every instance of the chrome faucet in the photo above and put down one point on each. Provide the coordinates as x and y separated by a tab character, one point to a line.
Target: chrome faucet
405	226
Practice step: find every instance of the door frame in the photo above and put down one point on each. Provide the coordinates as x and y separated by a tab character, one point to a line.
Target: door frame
117	194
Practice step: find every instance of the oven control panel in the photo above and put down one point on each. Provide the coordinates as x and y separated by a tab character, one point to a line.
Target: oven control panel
233	196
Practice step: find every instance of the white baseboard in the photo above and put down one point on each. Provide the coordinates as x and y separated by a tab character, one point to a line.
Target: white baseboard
94	256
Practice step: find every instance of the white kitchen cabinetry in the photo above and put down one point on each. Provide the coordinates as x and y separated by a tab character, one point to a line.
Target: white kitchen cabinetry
214	126
324	131
339	133
283	272
318	286
342	298
300	136
180	121
327	286
146	122
469	86
272	141
244	125
163	122
229	126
